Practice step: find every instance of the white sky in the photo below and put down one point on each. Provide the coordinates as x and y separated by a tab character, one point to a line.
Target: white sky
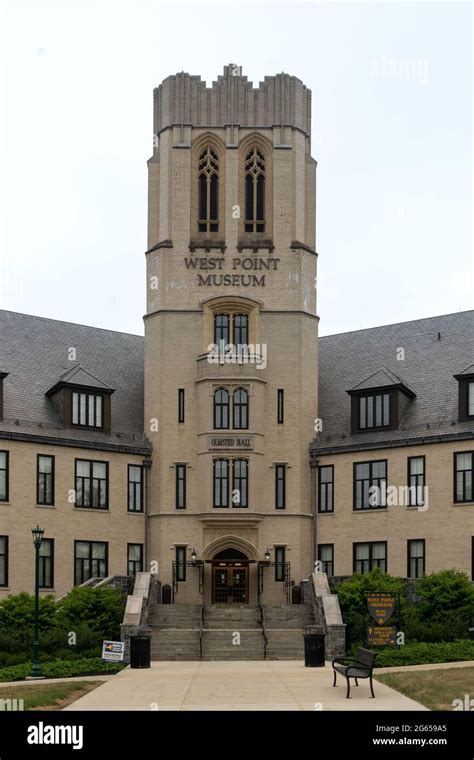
392	100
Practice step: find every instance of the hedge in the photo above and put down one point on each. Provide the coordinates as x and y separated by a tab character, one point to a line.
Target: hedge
62	669
426	653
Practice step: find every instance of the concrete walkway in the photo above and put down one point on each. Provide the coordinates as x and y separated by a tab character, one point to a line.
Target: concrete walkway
268	685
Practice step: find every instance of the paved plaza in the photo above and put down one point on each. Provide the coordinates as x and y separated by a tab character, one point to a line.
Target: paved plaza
242	685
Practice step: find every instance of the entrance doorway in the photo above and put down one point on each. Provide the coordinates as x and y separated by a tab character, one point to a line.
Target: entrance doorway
230	569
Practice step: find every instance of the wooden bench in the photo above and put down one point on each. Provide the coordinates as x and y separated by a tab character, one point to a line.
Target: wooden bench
359	667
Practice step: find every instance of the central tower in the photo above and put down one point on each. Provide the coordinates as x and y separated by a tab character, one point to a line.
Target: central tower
231	336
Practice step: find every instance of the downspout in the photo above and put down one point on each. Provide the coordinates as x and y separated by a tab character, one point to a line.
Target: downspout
146	508
314	504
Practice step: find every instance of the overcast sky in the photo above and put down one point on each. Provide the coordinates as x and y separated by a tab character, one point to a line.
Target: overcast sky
392	97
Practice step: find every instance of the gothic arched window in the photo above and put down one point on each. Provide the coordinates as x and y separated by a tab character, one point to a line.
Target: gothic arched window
208	191
221	409
255	192
240	409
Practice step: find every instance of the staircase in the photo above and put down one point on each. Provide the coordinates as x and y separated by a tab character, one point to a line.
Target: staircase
229	633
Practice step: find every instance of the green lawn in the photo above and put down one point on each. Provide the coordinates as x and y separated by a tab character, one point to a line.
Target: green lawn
48	696
435	689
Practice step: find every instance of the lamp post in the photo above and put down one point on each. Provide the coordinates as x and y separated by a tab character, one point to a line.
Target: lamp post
37	538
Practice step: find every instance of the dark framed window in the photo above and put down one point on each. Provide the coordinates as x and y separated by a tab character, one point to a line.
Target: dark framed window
180	486
46	563
240	411
4	457
367	556
91	560
374	411
416	558
221	409
370	475
135	488
280	554
180	405
134	559
472	558
463	476
92	484
416	481
240	483
280	486
326	557
280	406
181	563
208	191
87	409
221	483
241	329
3	560
45	479
221	330
326	488
254	191
470	399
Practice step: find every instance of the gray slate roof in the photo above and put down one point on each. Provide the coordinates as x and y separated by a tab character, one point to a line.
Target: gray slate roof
34	352
348	359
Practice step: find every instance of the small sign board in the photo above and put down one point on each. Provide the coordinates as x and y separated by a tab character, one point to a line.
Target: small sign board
382	635
381	606
113	651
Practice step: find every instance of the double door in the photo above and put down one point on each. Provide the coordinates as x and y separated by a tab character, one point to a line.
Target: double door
230	583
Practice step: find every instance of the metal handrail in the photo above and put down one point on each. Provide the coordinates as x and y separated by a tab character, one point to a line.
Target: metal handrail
264	630
201	626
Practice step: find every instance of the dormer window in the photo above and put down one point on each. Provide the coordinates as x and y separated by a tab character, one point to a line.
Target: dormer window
82	400
87	409
466	394
379	402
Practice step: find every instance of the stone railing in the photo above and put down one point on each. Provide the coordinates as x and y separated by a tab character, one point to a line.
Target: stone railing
328	612
135	619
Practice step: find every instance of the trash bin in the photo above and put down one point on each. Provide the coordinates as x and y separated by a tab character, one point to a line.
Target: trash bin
140	651
314	655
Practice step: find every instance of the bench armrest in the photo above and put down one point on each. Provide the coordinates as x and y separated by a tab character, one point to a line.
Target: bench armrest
343	661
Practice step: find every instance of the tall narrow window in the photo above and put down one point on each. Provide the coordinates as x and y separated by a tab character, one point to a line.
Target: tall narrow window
463	476
180	405
326	488
221	409
280	406
326	557
208	191
221	483
45	480
280	563
470	399
240	409
416	481
280	486
241	330
416	558
46	563
181	563
180	486
221	330
255	192
3	475
134	559
240	485
135	488
3	560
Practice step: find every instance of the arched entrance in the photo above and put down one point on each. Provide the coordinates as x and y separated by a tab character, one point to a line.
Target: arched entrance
230	577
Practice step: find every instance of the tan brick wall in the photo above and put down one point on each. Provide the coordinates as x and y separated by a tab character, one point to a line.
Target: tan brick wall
63	522
446	527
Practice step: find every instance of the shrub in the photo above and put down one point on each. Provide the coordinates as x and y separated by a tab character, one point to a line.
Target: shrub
17	612
100	608
444	610
62	669
425	652
353	600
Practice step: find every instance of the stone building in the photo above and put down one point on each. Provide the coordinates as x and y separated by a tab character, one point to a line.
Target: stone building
201	452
